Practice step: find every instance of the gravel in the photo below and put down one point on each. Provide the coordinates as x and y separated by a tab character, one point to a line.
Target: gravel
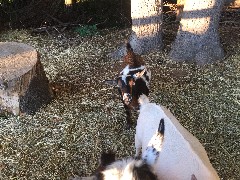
65	138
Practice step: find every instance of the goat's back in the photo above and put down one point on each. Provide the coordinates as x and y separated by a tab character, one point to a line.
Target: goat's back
182	154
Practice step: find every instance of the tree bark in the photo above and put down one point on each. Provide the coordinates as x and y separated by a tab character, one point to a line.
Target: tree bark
24	86
146	27
198	38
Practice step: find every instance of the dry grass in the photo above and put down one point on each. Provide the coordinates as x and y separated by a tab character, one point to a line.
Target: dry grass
66	137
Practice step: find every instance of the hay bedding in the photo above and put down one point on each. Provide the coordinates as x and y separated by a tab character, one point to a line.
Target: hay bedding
66	137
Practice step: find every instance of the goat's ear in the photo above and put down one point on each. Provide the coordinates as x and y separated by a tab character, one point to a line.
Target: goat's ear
107	158
129	47
161	127
143	172
142	73
193	177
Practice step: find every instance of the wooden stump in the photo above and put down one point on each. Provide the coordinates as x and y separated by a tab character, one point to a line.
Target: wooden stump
24	87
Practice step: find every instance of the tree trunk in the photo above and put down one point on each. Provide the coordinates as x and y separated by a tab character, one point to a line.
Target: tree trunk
146	27
23	84
180	6
197	38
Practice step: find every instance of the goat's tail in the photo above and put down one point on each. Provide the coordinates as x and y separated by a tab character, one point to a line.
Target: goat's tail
154	147
129	47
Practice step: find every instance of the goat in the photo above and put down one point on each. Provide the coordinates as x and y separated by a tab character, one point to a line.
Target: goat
131	168
124	169
148	119
132	82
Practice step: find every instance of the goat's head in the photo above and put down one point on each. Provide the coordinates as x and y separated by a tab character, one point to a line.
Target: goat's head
132	83
127	168
105	160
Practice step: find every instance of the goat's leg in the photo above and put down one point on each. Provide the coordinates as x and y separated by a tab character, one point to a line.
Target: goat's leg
128	118
138	147
127	110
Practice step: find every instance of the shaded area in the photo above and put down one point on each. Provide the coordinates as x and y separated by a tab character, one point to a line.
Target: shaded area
38	13
38	93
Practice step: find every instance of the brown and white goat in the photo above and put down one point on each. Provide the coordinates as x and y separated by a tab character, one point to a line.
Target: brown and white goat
133	81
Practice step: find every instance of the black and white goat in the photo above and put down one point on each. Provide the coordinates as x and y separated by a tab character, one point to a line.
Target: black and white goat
131	168
133	81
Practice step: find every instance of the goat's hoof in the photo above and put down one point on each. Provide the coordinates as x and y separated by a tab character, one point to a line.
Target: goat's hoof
128	126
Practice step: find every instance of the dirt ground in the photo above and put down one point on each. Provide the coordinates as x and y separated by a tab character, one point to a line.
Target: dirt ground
65	138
